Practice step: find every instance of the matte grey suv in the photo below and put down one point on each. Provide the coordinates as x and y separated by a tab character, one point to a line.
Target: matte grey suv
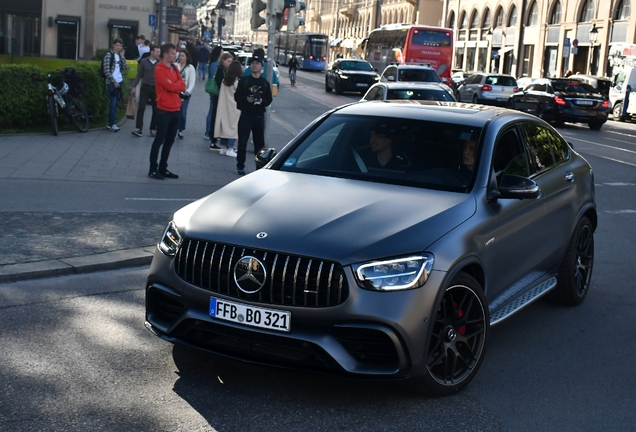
489	89
382	242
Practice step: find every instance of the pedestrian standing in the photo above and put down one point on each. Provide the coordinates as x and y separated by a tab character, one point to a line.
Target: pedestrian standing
145	50
224	62
189	75
214	64
146	74
169	85
204	58
252	96
114	67
141	39
132	49
227	117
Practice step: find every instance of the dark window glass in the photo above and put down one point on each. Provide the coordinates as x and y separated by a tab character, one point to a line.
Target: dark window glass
555	17
360	66
623	11
559	146
539	146
419	75
572	86
420	94
587	11
432	38
509	157
502	81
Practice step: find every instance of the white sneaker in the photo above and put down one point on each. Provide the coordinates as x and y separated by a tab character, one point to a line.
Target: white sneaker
230	153
222	151
114	128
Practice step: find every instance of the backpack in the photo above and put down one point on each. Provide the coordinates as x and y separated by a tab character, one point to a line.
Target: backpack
74	80
101	69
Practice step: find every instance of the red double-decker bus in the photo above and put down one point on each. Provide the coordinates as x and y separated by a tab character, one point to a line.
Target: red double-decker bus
417	44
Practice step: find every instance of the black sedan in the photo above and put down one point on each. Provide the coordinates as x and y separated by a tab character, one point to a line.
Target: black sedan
350	75
562	100
382	242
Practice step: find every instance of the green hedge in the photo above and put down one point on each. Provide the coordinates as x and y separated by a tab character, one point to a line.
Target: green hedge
23	103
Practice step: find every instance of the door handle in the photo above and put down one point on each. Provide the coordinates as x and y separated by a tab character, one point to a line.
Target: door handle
569	177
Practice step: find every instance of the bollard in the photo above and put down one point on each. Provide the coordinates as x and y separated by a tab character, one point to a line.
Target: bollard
628	90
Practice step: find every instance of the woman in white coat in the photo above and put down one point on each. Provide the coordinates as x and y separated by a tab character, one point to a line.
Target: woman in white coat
189	75
227	115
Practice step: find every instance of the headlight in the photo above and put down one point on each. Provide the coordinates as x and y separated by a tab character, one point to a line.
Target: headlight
377	78
343	76
170	240
396	274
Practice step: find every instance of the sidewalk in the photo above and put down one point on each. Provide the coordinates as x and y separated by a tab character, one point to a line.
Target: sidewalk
43	244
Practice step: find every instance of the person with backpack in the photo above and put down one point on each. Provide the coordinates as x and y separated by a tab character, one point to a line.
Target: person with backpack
114	67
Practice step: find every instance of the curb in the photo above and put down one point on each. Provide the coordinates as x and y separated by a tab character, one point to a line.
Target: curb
68	266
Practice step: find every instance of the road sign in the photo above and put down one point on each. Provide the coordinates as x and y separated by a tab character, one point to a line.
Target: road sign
566	51
566	43
575	43
152	20
207	35
574	50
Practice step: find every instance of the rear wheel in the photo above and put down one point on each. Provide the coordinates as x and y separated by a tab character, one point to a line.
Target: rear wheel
327	88
52	108
457	341
617	111
576	269
338	87
595	125
76	112
475	100
511	104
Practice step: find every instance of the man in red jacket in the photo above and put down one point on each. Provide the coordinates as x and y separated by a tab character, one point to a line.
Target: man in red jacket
168	85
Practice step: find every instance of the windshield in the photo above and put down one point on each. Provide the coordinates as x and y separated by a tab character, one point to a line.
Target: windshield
420	94
434	38
318	47
408	152
419	75
360	66
572	86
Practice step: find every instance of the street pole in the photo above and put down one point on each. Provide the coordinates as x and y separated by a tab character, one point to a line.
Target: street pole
162	22
271	35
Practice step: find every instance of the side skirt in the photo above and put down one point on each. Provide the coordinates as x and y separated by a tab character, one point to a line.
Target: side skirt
517	303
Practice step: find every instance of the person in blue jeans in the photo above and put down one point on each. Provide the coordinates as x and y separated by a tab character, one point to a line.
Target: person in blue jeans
214	64
204	59
114	68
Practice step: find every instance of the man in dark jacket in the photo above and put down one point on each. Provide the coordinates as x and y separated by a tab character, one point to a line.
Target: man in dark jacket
146	74
252	96
169	85
204	59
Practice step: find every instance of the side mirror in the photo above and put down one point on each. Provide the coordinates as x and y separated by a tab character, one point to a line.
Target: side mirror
264	156
517	187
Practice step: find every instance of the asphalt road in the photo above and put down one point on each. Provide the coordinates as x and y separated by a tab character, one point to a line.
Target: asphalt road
75	354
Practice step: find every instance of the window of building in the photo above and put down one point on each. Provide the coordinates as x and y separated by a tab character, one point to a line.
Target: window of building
587	11
474	21
512	21
20	34
499	18
555	16
533	15
623	11
451	20
487	20
462	21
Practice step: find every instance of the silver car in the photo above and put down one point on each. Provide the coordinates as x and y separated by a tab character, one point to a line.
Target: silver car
488	89
408	91
381	242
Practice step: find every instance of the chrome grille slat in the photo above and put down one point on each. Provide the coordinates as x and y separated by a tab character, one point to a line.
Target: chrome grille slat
287	283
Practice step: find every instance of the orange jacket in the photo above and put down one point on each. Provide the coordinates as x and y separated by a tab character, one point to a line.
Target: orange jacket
168	84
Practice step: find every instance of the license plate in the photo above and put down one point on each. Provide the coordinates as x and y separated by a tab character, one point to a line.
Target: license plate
585	102
250	315
362	85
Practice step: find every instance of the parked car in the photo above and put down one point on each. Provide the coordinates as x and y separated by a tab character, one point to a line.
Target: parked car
601	85
381	242
350	75
524	82
408	91
562	100
488	89
414	73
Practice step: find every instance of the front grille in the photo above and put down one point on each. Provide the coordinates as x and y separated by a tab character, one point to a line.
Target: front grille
291	280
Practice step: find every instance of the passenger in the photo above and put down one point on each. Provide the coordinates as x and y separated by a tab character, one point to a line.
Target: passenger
381	145
469	154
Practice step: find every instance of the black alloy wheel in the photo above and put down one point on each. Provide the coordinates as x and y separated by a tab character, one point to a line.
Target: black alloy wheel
52	109
458	338
575	274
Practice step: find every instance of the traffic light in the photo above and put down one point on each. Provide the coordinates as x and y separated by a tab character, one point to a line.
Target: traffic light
278	6
293	20
257	20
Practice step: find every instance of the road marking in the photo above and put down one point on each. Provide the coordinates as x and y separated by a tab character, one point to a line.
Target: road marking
161	199
613	160
603	145
617	184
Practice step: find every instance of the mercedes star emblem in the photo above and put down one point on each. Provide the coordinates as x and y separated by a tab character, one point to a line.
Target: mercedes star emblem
261	235
250	274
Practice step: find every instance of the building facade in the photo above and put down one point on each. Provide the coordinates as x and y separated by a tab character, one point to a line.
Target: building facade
76	29
539	38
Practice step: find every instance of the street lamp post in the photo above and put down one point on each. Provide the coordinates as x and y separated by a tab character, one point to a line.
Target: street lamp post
489	50
593	37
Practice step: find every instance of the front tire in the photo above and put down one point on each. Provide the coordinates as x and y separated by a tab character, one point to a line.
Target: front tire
457	340
475	100
338	87
52	108
576	269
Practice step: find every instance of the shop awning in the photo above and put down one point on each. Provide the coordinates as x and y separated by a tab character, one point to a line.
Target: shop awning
502	51
115	23
65	19
347	43
335	42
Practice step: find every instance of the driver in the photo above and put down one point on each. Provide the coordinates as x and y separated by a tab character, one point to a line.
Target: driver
382	148
469	153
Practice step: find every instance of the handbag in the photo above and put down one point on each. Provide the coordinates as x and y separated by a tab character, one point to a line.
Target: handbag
212	87
131	107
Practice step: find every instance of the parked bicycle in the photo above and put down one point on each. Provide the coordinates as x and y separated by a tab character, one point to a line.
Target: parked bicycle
62	97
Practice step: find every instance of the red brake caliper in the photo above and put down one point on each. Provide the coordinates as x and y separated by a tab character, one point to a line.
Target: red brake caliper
460	313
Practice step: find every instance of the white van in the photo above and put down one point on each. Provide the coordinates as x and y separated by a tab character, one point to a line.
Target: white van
626	77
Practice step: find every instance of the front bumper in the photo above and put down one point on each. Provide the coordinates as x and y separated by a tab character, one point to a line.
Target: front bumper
372	334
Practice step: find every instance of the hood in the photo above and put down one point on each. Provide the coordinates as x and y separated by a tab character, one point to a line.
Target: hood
347	221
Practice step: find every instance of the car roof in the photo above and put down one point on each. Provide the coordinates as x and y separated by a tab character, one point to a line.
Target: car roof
413	66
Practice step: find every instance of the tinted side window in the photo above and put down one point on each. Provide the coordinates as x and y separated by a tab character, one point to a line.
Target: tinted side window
509	156
540	87
559	147
539	146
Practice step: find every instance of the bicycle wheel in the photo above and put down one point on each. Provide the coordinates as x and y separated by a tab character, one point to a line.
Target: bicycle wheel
76	112
51	106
